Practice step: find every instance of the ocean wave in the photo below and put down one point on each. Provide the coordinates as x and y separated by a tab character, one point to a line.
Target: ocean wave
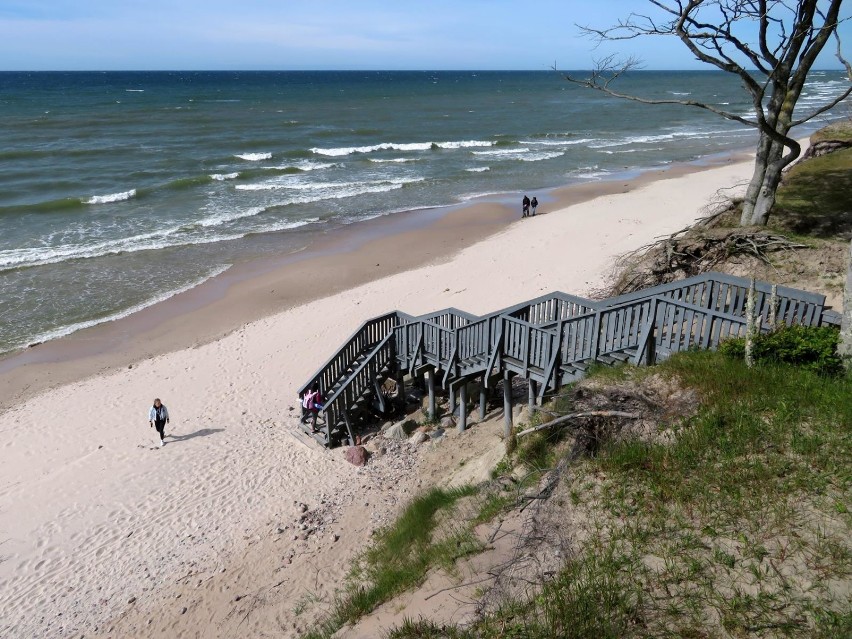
558	142
478	169
399	160
47	206
110	198
331	190
394	146
186	183
73	328
542	155
135	90
175	236
588	173
221	177
253	157
499	152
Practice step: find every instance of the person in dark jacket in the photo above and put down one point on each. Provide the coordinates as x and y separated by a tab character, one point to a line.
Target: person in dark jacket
525	209
158	417
534	204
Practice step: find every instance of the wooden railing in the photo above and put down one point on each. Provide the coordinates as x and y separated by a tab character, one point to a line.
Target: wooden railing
551	337
338	366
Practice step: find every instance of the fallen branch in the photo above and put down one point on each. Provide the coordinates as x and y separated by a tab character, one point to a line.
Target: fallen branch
571	416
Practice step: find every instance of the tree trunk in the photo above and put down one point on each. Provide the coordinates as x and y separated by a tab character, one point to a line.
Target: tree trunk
766	197
761	161
844	348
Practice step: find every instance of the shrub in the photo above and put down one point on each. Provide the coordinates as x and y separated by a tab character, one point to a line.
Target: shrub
810	347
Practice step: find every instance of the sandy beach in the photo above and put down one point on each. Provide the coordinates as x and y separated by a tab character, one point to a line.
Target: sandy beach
102	533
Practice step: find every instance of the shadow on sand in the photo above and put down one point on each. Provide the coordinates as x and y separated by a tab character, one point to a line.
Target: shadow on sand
204	432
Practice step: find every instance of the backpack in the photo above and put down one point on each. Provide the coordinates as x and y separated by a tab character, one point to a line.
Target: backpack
308	400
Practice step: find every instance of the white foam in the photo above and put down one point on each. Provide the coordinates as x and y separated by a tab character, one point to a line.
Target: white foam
317	191
542	155
254	157
73	328
112	197
398	160
499	152
394	146
465	144
135	90
225	176
558	142
478	169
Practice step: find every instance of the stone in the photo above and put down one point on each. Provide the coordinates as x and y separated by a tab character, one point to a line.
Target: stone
448	423
418	438
357	455
131	600
396	432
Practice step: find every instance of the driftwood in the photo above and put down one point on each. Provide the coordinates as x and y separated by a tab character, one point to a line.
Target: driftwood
570	416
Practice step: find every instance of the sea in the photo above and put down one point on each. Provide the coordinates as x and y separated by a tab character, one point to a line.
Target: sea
121	189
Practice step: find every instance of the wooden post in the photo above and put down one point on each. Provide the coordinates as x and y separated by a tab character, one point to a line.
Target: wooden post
749	336
531	388
462	407
773	308
483	398
507	404
452	400
430	384
844	347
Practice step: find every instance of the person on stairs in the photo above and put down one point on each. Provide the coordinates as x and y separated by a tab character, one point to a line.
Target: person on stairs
311	406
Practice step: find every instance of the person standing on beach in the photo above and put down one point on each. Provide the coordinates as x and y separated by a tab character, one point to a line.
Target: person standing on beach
525	209
158	417
534	204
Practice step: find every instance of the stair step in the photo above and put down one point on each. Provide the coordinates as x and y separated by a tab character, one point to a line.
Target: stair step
621	356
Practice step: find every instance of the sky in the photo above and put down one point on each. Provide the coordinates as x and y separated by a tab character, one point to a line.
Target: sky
327	34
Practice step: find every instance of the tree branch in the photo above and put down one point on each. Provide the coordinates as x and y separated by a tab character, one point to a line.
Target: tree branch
571	416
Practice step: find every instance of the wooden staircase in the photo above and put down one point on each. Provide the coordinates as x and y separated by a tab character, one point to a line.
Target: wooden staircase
550	340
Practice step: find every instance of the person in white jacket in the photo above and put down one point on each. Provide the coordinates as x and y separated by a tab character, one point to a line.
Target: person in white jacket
158	417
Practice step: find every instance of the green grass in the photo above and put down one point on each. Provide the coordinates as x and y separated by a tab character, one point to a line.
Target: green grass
816	196
400	557
745	514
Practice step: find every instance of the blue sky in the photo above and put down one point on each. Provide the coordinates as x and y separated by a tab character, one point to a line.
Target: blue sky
323	34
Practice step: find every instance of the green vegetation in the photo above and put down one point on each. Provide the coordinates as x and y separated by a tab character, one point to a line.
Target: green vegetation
400	558
811	347
816	195
739	526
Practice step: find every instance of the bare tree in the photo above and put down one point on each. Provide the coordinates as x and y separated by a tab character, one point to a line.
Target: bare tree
770	44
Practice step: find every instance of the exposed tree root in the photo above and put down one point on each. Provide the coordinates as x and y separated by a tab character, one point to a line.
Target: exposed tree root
694	250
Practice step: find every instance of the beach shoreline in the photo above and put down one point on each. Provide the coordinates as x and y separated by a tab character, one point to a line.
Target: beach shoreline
354	255
102	528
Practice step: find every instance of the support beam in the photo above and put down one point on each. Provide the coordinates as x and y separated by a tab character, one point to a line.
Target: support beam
462	408
430	386
452	400
531	386
507	404
483	398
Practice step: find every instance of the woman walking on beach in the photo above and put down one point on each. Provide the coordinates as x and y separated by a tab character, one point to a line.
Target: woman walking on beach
158	417
525	209
534	204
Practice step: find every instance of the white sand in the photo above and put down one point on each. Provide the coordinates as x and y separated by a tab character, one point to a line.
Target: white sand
92	514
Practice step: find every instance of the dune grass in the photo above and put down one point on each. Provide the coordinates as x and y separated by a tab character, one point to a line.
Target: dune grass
400	557
739	528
